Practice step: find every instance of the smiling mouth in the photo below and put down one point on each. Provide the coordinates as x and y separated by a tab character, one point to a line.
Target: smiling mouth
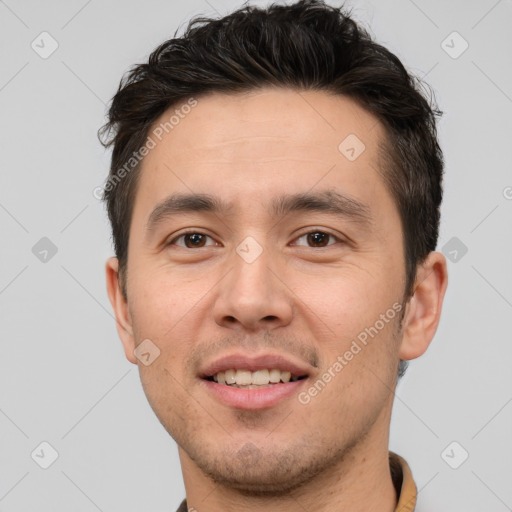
247	379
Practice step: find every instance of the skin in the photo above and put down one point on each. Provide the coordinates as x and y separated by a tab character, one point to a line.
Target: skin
296	298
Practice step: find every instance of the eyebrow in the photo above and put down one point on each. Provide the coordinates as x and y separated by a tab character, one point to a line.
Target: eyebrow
328	201
323	201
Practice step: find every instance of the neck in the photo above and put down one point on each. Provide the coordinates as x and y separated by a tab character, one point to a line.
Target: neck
359	481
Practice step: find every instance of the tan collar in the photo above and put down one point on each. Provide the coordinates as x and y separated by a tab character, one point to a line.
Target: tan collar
404	483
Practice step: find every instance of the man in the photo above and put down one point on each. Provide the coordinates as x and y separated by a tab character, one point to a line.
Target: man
274	196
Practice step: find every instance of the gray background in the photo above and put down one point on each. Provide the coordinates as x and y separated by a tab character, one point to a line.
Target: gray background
64	378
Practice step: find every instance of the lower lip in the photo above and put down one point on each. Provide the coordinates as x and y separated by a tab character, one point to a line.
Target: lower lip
253	399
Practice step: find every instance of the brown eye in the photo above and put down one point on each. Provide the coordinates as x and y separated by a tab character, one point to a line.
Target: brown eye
191	240
195	240
318	239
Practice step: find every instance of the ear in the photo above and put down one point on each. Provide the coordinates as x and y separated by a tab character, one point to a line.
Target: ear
120	307
423	310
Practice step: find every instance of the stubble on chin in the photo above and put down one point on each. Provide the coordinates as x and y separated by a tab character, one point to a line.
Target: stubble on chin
271	470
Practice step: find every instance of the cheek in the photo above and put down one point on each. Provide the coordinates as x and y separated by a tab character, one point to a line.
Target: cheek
348	299
354	317
160	298
164	310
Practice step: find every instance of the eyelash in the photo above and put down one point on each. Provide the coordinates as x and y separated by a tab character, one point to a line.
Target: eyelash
192	232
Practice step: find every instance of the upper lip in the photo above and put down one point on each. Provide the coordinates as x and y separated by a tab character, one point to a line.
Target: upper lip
244	361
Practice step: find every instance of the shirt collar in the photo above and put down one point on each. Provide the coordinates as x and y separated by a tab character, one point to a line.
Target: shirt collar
404	484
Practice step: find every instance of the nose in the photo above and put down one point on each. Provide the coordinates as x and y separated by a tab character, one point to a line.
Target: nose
253	296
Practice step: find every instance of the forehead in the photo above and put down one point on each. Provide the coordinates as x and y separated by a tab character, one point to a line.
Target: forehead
276	118
252	144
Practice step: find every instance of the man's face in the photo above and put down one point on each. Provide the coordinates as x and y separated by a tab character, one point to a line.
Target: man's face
258	281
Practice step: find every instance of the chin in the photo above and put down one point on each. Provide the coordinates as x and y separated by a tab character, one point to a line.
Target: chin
260	480
272	472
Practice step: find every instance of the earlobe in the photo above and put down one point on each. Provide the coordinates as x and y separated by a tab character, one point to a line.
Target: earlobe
120	307
424	308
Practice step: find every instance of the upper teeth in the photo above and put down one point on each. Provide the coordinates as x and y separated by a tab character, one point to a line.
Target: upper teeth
246	377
